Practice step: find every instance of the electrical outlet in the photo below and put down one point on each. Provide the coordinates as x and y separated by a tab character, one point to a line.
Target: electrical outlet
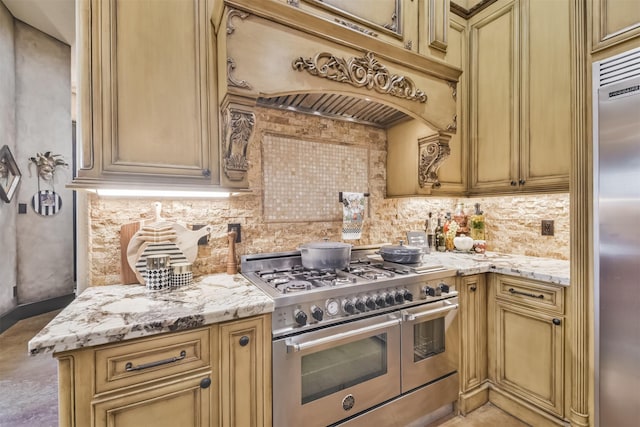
238	230
547	227
22	208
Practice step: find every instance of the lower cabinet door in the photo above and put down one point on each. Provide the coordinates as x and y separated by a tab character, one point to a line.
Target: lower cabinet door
529	355
245	373
184	402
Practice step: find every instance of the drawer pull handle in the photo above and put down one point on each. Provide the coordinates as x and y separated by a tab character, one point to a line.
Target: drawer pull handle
526	294
129	366
473	288
244	340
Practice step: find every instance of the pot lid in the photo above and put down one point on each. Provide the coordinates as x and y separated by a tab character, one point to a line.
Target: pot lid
400	249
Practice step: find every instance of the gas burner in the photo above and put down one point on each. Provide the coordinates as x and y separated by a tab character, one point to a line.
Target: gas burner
375	275
296	286
343	281
277	281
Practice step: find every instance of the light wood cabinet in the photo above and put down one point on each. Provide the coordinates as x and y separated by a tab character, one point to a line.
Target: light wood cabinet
391	21
219	375
520	97
473	333
614	22
403	140
245	373
526	348
181	402
147	86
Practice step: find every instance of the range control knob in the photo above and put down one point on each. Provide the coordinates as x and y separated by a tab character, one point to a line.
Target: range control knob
370	303
432	292
390	298
380	301
399	297
408	296
348	307
316	312
444	287
300	317
360	305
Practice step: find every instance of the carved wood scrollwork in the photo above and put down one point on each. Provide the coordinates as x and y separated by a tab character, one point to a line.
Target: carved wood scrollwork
433	150
364	71
233	13
231	80
238	127
231	64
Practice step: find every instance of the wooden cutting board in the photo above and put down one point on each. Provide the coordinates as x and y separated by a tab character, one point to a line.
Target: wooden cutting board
127	231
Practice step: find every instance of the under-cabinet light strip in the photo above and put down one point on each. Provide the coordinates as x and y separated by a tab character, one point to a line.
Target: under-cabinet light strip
121	192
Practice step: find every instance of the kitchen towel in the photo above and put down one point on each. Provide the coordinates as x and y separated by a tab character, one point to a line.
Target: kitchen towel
352	215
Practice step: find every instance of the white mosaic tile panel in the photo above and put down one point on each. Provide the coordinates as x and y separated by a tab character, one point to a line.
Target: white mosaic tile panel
302	179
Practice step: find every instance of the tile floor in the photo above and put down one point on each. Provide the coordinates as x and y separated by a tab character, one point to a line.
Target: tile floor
29	394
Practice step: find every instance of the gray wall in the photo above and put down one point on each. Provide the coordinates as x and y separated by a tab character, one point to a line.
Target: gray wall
43	123
36	252
8	251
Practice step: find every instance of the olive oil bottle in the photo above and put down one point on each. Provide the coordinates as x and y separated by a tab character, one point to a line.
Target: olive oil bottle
476	224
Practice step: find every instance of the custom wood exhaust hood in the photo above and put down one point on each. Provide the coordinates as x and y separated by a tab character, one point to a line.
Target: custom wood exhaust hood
277	55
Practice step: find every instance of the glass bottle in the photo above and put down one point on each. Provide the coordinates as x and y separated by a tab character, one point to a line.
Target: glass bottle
439	235
476	224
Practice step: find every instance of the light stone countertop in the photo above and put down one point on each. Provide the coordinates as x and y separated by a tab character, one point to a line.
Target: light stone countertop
545	269
107	314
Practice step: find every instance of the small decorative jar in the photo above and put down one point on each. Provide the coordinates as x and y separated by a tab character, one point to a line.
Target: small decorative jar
182	275
158	273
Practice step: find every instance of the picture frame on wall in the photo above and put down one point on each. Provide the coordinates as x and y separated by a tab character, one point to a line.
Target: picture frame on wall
9	174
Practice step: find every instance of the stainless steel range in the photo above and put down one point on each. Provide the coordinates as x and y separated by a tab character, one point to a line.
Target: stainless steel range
361	344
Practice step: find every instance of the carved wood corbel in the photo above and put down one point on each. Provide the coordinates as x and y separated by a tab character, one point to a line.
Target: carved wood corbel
238	125
433	150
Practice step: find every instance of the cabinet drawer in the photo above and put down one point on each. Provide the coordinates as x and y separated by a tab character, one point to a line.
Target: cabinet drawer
530	293
148	359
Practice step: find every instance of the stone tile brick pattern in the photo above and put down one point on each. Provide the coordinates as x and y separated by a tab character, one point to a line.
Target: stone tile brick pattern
302	179
513	223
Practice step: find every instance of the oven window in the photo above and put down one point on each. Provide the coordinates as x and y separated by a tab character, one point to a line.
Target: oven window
428	339
337	368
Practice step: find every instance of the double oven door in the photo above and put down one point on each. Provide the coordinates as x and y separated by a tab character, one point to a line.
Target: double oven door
324	376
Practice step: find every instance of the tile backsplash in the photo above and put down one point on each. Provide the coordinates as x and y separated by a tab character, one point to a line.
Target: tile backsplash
513	222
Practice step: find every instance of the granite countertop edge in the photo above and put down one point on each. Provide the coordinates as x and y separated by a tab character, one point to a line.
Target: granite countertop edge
115	313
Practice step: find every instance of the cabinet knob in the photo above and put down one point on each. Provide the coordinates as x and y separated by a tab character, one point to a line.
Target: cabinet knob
522	181
206	172
205	383
556	321
513	183
473	288
244	340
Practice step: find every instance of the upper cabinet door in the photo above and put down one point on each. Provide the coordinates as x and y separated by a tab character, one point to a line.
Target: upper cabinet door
521	116
494	99
151	92
614	22
546	117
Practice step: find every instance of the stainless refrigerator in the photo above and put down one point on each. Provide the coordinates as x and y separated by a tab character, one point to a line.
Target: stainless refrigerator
616	102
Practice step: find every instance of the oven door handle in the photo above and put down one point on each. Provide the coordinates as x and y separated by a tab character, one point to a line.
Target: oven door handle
295	347
437	312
